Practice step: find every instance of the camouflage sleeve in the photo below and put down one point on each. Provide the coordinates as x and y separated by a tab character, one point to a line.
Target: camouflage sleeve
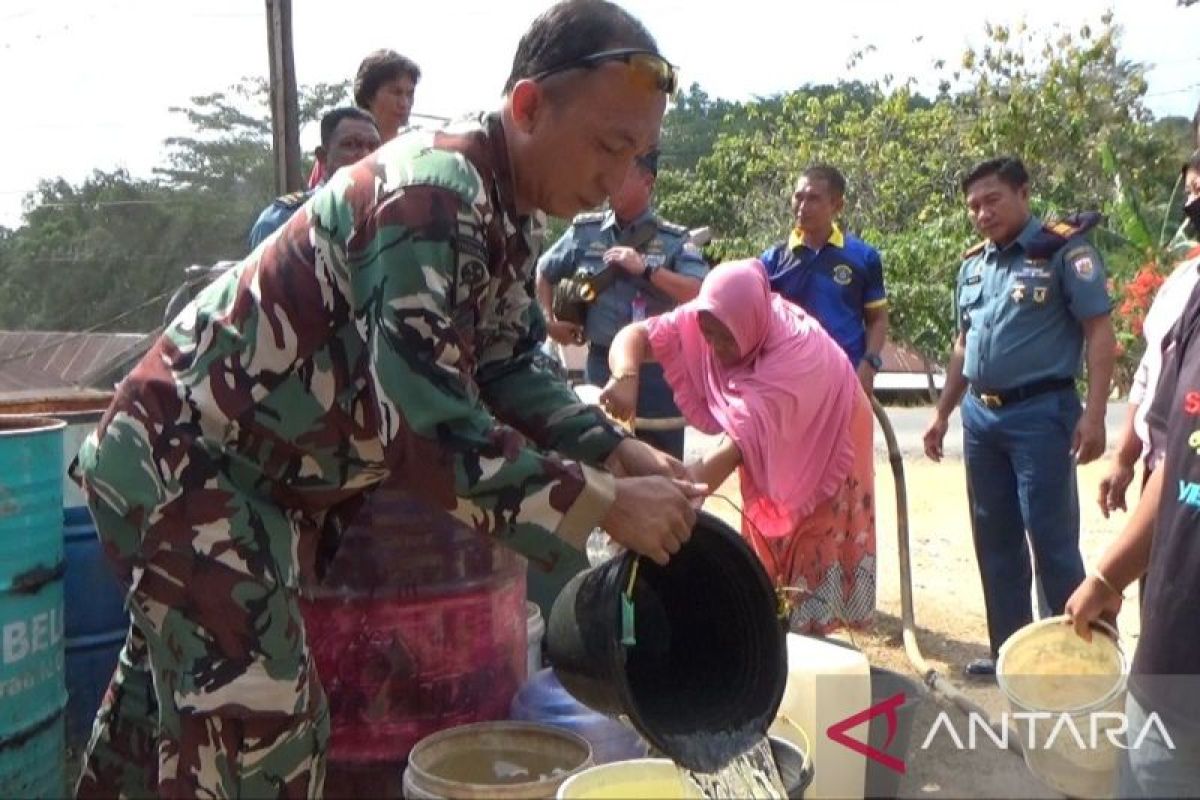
533	399
413	269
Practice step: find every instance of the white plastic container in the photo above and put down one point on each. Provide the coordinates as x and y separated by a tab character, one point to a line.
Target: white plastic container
826	683
535	629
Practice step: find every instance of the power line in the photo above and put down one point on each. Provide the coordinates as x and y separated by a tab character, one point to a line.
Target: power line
1175	91
149	259
104	203
158	298
17	15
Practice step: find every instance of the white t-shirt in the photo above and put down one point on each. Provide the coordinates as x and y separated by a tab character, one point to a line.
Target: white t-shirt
1164	312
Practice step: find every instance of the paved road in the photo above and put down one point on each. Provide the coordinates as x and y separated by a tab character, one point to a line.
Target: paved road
909	423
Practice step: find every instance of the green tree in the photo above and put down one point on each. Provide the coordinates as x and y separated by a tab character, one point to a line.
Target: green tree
1058	100
88	253
104	252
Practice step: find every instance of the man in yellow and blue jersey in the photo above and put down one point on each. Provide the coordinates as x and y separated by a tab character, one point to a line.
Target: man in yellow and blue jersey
833	275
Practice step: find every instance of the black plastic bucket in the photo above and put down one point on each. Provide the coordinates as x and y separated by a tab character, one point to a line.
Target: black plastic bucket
795	767
700	664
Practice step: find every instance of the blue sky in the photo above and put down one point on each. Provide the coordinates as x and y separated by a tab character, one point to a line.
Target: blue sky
88	83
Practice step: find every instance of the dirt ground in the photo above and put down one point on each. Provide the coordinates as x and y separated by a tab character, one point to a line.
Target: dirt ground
949	614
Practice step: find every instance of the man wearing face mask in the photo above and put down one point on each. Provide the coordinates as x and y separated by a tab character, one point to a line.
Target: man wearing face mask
1159	546
1164	312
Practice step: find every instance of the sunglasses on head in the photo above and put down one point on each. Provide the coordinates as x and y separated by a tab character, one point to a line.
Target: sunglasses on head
648	69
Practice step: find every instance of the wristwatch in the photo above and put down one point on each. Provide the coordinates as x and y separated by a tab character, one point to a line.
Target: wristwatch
874	360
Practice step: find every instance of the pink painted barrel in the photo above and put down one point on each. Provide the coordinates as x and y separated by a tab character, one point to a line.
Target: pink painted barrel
419	626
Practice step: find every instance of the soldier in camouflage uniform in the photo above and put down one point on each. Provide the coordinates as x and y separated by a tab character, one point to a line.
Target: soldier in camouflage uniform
387	328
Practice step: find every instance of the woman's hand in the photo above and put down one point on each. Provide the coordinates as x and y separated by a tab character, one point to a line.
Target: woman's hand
619	397
694	473
634	458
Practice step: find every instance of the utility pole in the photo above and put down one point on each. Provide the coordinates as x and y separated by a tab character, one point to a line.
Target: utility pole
285	127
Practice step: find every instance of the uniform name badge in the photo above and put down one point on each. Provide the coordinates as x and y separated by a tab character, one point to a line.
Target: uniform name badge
655	259
974	275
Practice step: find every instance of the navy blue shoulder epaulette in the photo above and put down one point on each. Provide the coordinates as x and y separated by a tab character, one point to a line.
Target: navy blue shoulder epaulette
292	199
1054	235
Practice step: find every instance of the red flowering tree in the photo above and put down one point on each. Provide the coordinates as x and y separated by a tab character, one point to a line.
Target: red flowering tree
1130	224
1137	294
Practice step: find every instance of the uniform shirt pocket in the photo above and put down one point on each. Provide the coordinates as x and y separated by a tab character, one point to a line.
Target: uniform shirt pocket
970	299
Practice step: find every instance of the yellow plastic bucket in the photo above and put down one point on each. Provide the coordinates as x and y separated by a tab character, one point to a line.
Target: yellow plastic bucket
1076	689
660	778
642	778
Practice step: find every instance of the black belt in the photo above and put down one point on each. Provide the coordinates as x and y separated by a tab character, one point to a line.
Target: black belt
1019	393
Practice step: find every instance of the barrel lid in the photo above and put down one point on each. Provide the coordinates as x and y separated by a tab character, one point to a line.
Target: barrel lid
14	425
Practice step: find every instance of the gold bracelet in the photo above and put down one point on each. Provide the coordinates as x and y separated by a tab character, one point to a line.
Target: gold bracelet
1098	575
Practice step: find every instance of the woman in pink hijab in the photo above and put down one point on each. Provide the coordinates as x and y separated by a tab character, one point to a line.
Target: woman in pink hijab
745	362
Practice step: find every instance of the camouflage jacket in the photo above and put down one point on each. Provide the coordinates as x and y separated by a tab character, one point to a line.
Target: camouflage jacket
389	328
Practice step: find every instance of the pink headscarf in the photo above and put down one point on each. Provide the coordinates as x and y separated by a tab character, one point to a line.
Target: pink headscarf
787	403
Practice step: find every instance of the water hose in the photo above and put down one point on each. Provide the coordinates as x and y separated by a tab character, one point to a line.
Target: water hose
937	683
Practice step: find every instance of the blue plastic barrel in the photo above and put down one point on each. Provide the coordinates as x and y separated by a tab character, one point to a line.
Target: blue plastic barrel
80	424
96	622
32	688
543	699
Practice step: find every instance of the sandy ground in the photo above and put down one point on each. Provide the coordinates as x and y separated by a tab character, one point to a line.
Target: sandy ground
949	614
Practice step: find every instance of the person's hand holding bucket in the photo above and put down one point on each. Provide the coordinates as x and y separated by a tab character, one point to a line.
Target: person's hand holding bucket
1094	599
652	515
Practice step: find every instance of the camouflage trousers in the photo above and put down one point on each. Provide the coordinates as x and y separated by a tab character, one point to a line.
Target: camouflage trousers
215	694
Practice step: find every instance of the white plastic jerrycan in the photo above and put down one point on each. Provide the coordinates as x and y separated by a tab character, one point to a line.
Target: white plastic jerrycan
827	682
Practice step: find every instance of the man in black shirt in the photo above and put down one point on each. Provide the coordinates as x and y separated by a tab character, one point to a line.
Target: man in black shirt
1162	540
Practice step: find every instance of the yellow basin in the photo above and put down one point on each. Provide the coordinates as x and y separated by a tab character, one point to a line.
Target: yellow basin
642	778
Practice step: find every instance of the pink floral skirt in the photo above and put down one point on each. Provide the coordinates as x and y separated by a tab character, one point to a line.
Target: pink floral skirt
830	557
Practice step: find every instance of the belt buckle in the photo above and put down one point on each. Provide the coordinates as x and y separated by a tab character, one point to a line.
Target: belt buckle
991	400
